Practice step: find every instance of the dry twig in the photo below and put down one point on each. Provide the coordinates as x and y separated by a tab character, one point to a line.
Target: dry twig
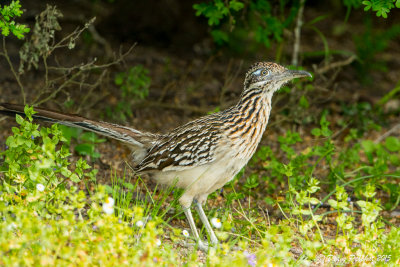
335	65
387	133
16	75
297	34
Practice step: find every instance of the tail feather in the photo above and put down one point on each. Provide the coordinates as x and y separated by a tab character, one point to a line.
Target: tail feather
130	136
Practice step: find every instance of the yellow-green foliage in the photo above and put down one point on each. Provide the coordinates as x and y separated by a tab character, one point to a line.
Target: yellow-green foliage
68	237
45	221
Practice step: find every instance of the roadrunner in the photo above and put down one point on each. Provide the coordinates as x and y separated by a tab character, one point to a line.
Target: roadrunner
202	155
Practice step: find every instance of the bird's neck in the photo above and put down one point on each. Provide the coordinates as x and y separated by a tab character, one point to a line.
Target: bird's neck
249	95
248	120
254	107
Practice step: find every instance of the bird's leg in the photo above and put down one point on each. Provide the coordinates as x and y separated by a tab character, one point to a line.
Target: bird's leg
206	223
188	213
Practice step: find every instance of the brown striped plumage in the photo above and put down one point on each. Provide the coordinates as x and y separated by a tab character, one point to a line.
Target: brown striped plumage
202	155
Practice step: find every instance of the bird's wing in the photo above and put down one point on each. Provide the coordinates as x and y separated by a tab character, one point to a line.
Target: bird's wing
188	146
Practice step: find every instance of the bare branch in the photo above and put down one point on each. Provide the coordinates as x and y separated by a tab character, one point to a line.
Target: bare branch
92	87
17	77
55	92
297	34
80	69
101	40
91	66
71	38
336	64
388	133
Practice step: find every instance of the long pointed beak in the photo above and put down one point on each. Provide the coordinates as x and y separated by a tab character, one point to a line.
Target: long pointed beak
292	74
288	75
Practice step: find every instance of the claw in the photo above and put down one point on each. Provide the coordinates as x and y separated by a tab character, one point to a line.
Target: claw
214	241
203	246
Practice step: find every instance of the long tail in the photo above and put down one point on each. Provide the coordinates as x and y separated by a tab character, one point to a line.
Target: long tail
132	137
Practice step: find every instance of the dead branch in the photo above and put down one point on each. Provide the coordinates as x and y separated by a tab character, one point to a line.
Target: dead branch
335	65
16	75
387	133
69	40
101	40
80	69
91	88
297	34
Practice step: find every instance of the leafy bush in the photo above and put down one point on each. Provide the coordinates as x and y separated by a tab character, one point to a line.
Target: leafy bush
353	164
245	24
234	21
70	228
369	44
36	156
86	141
134	85
359	167
47	222
382	8
215	12
7	24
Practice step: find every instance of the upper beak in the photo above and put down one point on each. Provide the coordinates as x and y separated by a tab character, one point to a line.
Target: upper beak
291	74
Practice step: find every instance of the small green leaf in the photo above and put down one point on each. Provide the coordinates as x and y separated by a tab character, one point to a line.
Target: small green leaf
303	102
333	203
269	201
84	149
74	178
313	200
19	119
362	203
235	5
119	78
316	132
326	132
368	145
219	37
392	144
65	172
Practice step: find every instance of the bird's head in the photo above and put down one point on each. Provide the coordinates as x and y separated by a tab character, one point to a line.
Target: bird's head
270	76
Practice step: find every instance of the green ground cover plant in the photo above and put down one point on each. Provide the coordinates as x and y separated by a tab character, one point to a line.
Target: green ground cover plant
86	142
49	221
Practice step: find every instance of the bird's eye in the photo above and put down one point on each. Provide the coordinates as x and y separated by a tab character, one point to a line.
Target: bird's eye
265	72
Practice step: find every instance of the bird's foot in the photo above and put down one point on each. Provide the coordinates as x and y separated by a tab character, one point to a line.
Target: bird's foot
203	245
214	240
